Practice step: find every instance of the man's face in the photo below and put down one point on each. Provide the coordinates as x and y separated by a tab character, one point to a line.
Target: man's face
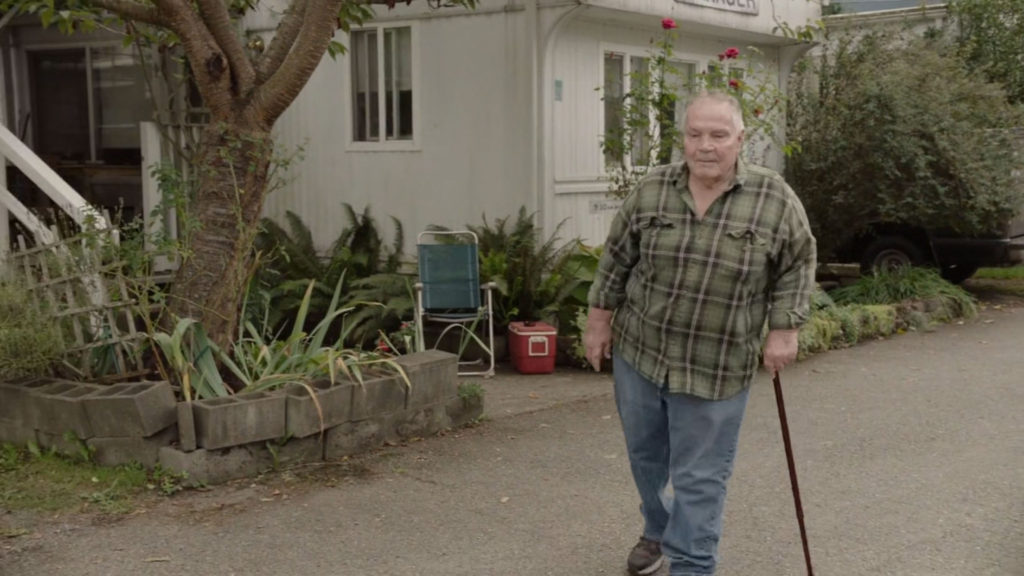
711	140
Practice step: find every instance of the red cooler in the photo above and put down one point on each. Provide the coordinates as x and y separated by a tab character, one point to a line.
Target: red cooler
532	347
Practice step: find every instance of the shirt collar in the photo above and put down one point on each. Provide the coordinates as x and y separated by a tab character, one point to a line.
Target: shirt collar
682	173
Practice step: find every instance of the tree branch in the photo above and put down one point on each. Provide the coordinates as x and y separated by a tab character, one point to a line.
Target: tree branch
284	39
278	92
131	10
218	22
204	54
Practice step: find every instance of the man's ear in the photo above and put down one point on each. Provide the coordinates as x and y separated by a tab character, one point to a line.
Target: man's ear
741	135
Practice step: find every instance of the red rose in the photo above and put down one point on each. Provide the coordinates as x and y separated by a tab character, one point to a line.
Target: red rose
383	346
734	83
731	53
668	23
721	56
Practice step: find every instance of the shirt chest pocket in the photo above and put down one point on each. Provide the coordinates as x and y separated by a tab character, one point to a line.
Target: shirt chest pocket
745	254
660	241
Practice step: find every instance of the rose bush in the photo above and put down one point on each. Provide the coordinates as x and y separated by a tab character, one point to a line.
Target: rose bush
649	133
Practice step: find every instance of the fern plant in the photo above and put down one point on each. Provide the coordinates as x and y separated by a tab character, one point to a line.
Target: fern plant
359	259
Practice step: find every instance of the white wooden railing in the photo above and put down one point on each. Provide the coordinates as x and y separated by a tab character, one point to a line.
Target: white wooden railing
15	151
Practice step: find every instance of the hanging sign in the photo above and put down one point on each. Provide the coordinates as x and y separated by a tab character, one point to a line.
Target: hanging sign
742	6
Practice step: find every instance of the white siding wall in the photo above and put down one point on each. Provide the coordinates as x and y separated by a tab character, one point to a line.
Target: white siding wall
579	118
472	140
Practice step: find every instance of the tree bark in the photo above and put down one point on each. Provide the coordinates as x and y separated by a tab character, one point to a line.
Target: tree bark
234	159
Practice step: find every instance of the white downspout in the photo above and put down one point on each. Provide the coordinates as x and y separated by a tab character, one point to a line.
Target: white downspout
536	131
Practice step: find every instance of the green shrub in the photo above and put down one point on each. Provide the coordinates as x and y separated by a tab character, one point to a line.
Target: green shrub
908	284
820	300
30	344
894	129
818	334
876	321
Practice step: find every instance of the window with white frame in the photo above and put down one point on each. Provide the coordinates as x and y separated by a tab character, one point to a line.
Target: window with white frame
382	86
619	71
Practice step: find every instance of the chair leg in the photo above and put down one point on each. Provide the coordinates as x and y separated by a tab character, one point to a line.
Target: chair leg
490	331
418	318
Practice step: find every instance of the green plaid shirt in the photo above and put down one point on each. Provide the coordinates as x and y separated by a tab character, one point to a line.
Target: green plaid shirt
691	296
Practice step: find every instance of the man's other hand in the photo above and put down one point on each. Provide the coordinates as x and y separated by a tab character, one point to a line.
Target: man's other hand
597	337
780	349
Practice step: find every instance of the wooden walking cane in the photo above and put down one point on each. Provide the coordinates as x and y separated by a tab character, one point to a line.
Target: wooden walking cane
792	471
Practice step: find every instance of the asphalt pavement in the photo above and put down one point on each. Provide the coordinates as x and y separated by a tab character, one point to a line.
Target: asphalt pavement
910	454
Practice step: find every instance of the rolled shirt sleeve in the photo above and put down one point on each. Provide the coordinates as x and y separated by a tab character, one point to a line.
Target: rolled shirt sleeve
621	253
793	274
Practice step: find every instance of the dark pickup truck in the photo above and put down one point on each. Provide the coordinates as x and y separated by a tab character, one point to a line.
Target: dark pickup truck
887	245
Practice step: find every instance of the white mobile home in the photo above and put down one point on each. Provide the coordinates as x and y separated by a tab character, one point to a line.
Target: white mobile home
434	115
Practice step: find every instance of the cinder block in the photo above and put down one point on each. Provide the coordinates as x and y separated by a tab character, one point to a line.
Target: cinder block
64	443
34	403
60	408
131	409
355	437
462	411
238	420
15	399
124	450
300	450
434	377
217	466
385	395
16	432
186	427
302	418
423	422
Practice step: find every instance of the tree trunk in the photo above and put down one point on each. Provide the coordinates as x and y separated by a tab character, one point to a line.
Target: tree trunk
233	167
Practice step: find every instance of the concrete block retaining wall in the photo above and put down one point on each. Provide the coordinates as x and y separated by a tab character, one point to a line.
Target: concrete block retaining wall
220	439
118	424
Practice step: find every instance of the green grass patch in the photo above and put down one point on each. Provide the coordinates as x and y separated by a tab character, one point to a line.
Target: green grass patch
31	479
1011	273
907	285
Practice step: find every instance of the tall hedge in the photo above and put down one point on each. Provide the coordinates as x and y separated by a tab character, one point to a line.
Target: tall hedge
895	128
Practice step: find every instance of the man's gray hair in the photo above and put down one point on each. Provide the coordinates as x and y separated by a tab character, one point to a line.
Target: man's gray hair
723	97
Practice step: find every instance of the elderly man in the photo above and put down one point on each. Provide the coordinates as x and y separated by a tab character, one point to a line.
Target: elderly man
701	254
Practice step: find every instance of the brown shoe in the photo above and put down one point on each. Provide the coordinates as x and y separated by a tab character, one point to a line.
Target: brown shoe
645	558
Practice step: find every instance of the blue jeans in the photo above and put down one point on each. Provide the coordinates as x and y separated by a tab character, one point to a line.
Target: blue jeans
689	442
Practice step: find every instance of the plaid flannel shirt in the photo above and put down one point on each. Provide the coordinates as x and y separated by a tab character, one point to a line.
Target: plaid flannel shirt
691	296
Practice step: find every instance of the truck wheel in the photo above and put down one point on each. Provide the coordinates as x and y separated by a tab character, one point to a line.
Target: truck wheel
959	273
889	253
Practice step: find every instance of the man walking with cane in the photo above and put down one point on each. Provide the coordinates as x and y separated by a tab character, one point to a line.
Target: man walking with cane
701	255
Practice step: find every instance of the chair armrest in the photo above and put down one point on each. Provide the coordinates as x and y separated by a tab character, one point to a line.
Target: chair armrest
489	286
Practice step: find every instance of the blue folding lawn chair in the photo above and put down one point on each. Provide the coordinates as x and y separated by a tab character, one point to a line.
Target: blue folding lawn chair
449	292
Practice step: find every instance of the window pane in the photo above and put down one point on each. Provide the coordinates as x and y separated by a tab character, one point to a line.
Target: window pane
365	113
681	82
121	100
640	152
398	82
60	105
613	93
